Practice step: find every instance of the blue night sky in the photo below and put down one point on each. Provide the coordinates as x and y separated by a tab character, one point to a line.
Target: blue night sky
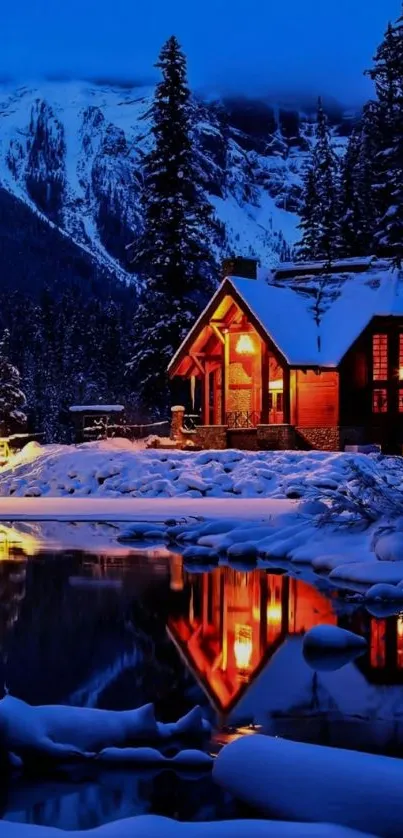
251	46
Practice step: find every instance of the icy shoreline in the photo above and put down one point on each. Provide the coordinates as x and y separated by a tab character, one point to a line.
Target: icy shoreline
340	513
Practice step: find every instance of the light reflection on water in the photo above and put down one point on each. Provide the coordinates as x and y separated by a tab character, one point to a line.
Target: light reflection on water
117	627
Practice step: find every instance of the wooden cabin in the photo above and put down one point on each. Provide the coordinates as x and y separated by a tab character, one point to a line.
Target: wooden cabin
298	357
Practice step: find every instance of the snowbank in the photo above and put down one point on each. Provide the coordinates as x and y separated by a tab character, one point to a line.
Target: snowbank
293	780
116	468
234	506
62	732
154	826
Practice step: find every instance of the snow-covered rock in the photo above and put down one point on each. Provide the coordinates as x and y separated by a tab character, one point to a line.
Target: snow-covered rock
62	732
389	548
330	637
385	593
327	648
368	573
298	781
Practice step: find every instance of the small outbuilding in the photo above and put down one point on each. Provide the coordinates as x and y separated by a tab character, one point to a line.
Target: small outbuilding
96	421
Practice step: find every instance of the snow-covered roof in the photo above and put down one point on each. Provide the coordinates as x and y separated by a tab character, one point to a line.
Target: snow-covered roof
313	320
96	408
314	317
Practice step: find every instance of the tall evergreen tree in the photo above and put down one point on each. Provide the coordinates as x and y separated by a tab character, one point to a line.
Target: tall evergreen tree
387	73
321	211
12	399
310	218
174	253
350	222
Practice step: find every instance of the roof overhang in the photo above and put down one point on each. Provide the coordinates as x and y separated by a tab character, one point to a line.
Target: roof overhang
227	287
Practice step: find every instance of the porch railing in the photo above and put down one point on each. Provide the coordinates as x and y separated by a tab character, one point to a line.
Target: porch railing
242	419
191	421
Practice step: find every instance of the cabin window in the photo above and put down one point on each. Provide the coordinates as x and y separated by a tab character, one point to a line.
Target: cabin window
401	357
380	357
380	401
378	644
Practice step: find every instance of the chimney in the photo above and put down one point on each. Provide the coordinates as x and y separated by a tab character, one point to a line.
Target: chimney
238	266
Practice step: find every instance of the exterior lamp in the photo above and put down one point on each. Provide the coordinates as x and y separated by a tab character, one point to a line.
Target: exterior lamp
243	646
274	613
245	345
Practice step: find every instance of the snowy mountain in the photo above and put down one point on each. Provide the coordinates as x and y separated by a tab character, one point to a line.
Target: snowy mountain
72	152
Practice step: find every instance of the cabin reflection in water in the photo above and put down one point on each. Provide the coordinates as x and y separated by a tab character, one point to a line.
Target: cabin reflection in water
229	624
234	623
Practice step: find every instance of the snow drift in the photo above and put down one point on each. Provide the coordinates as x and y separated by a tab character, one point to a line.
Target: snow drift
62	732
313	783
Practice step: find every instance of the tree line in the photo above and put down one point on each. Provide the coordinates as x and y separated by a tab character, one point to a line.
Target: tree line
354	206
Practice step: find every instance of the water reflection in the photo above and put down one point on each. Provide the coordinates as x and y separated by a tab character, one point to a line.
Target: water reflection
116	628
234	622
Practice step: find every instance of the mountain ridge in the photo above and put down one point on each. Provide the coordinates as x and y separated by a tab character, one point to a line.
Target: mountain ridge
72	151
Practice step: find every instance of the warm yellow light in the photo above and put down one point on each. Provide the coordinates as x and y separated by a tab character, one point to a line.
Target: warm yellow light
274	613
243	646
401	373
245	345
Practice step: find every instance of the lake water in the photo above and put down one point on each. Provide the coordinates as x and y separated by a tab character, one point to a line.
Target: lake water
114	627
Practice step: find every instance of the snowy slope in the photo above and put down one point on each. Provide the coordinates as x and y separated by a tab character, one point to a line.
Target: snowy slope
73	151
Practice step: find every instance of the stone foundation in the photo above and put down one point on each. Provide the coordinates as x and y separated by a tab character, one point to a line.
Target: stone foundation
275	437
332	438
245	439
211	436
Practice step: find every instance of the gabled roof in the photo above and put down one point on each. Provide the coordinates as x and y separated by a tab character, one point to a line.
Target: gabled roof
313	318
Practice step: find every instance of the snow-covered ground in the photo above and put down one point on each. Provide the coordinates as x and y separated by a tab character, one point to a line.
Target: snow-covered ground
118	468
313	783
341	512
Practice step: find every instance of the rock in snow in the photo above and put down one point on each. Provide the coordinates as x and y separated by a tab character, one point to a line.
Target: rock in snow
313	783
61	732
327	648
384	593
333	638
389	548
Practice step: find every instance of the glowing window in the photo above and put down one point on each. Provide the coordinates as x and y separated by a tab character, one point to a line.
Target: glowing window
380	357
401	357
380	401
378	644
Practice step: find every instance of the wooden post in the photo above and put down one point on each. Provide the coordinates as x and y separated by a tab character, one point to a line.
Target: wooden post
225	379
264	419
206	397
286	396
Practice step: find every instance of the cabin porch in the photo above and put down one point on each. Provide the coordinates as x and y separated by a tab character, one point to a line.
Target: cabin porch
236	376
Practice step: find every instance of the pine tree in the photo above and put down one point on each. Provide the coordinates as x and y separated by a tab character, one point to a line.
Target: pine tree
12	399
310	219
387	73
174	253
321	211
326	169
350	222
